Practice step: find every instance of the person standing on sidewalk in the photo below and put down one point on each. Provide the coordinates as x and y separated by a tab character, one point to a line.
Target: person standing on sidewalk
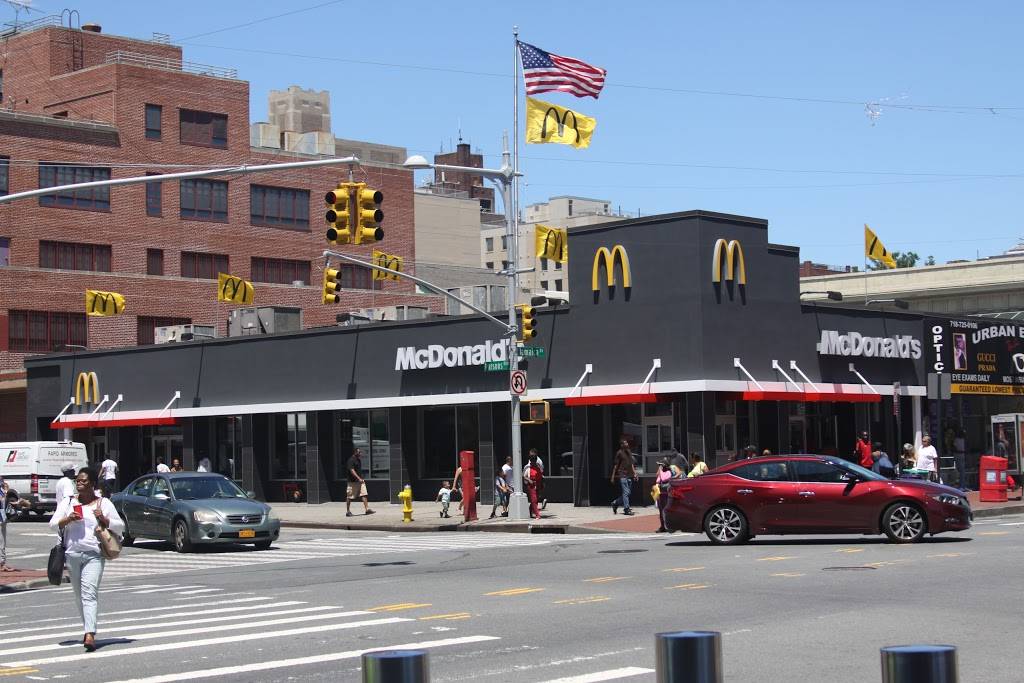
78	519
66	485
928	458
862	451
540	489
108	473
501	496
533	478
4	488
662	482
356	484
623	471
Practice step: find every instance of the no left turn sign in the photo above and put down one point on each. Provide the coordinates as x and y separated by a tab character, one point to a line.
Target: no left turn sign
517	382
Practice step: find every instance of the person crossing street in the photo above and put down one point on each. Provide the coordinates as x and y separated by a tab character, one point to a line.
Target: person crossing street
623	471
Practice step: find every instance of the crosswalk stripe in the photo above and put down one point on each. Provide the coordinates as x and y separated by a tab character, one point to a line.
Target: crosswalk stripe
204	642
200	590
610	675
164	589
300	661
160	609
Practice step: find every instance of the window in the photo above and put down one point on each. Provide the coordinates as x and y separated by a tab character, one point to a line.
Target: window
93	199
366	430
203	128
446	431
154	197
141	488
358	277
504	241
203	266
288	446
279	207
820	472
45	331
544	284
543	264
154	262
558	285
5	167
154	121
558	265
205	200
504	265
229	445
280	271
570	207
74	256
489	265
490	243
768	471
5	252
146	327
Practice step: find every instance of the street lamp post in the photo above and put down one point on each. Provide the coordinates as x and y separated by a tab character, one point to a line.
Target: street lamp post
503	178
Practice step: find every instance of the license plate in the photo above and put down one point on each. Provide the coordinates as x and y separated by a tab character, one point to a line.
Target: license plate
247	533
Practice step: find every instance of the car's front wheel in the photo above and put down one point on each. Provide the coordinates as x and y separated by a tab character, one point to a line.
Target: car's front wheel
726	526
904	523
127	539
180	536
263	545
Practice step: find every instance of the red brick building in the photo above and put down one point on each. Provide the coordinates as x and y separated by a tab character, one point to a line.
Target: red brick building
80	105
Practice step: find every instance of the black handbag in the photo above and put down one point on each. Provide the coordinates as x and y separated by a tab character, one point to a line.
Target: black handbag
55	565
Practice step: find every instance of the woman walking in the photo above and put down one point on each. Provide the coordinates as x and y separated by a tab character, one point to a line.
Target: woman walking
78	519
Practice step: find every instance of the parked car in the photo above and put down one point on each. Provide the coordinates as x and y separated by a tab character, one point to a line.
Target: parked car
804	494
194	508
32	470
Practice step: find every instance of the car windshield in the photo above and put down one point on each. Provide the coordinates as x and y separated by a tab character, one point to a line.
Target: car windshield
200	488
862	472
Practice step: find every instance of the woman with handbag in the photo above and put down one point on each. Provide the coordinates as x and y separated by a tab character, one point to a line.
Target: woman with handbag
90	529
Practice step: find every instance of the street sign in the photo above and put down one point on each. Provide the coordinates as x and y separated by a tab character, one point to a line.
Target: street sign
531	351
517	382
896	400
495	365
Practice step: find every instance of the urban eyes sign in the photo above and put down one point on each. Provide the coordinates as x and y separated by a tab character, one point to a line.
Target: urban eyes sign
982	358
439	356
856	344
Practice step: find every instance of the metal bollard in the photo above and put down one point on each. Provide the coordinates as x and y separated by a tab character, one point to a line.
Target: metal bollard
919	664
396	666
688	657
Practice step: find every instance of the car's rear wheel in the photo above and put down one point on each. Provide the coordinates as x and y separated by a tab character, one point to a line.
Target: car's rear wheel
726	525
904	523
179	534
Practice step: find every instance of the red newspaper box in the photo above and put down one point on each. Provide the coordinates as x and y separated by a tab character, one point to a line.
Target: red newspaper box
467	463
992	479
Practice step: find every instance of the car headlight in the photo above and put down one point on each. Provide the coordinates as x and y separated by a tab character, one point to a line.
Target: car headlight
271	514
948	499
205	516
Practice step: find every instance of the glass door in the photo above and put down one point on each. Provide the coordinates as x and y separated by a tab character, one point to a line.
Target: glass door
166	447
797	434
725	439
657	441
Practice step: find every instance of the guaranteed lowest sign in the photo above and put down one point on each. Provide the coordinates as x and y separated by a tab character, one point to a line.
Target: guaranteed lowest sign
982	356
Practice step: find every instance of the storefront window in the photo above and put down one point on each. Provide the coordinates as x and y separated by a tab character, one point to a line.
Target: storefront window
366	430
446	431
553	441
288	446
627	424
229	446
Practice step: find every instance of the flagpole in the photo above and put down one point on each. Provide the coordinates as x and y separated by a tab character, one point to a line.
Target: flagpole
515	134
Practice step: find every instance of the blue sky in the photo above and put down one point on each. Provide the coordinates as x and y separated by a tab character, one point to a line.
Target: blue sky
816	170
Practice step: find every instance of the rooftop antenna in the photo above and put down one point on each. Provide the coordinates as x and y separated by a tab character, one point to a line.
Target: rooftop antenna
460	129
19	7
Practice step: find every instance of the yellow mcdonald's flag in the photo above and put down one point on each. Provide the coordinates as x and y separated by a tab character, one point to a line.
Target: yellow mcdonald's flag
875	250
546	122
234	289
103	303
387	261
552	243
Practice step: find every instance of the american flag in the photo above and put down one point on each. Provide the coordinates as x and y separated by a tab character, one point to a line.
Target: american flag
545	71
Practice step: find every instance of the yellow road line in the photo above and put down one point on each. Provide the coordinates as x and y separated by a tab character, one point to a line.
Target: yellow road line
453	616
18	671
581	601
776	558
886	563
399	606
606	579
993	533
689	586
789	575
683	569
515	591
850	550
950	555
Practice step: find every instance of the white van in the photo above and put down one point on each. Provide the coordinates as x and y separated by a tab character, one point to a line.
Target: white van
32	469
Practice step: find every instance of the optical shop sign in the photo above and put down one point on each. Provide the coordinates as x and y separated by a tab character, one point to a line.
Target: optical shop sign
981	357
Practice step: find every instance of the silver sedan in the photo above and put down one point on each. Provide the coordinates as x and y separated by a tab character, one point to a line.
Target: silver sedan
193	508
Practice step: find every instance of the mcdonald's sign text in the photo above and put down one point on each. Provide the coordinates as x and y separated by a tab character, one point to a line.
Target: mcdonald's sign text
609	258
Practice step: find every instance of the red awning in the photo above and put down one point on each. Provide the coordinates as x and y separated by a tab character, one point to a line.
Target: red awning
610	399
808	396
97	421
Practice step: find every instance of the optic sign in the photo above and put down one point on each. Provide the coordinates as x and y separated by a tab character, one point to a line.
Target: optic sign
856	344
233	289
387	261
981	357
438	356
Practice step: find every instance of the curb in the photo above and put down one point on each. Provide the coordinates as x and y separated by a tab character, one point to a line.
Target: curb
28	584
999	512
513	528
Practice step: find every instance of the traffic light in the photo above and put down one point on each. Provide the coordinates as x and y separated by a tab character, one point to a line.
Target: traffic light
527	325
339	230
370	216
330	294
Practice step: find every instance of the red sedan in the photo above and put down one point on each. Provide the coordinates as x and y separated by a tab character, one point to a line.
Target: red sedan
806	494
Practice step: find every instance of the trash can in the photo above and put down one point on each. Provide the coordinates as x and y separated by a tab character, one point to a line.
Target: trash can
992	479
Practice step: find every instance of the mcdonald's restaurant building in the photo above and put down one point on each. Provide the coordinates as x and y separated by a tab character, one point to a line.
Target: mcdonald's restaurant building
685	332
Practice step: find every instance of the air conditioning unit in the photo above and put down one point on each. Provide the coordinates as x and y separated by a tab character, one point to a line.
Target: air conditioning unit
264	320
179	333
410	312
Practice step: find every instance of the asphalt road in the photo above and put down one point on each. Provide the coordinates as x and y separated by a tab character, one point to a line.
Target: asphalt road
512	607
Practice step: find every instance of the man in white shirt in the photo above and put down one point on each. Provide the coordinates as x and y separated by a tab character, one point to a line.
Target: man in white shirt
108	474
161	466
927	458
66	485
204	465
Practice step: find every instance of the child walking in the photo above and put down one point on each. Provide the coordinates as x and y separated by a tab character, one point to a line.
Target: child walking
445	496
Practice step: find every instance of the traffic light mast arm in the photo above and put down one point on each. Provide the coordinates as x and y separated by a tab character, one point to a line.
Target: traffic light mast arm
509	329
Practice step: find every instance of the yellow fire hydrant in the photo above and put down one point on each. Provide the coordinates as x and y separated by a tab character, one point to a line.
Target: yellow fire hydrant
406	497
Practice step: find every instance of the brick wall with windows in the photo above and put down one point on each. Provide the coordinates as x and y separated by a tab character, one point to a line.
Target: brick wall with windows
279	271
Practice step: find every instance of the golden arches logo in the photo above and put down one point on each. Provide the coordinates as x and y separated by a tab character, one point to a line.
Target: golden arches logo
735	266
85	383
603	255
560	122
